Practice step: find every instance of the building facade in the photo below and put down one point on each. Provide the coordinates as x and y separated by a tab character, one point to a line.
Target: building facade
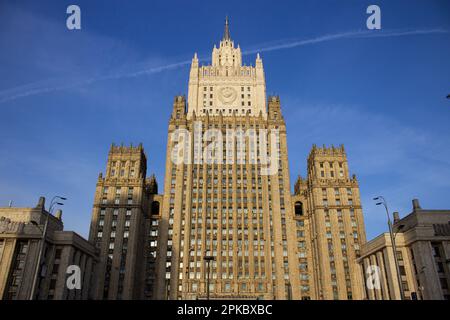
21	231
329	227
229	227
121	226
422	241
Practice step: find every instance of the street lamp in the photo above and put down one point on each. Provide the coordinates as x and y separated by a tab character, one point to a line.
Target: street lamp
382	201
208	260
53	203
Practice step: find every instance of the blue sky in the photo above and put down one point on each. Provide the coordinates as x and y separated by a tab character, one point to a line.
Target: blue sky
65	96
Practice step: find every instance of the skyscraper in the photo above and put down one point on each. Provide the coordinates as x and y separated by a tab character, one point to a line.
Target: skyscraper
227	225
228	198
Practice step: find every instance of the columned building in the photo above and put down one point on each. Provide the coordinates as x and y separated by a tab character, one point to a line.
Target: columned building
422	240
22	245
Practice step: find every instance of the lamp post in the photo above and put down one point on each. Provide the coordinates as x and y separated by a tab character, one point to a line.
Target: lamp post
208	260
53	203
186	278
382	201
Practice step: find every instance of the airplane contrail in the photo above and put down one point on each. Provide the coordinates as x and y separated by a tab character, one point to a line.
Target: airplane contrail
41	87
344	35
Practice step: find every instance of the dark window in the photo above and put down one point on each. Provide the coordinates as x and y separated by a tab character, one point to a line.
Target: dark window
52	284
402	270
58	254
436	252
55	268
155	207
299	208
444	284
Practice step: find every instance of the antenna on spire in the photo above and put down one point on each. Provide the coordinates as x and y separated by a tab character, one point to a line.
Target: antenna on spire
226	33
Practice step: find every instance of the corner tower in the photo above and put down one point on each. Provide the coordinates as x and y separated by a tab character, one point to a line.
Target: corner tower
330	227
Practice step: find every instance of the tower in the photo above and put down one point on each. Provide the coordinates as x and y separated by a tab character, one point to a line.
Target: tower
330	227
120	222
226	204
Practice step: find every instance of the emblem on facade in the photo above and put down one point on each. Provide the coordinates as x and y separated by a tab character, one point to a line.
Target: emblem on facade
227	95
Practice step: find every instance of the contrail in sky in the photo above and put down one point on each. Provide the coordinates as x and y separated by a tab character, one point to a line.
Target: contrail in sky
41	86
344	35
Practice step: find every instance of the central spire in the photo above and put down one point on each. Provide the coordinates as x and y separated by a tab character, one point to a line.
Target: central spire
226	33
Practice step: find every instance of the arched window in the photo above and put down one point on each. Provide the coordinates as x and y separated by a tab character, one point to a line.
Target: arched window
155	207
298	208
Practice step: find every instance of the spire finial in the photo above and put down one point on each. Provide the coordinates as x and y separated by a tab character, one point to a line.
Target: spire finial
226	33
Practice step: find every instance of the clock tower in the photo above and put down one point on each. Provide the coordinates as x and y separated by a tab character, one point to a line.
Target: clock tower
227	86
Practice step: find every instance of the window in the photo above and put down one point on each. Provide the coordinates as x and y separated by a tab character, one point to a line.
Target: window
405	286
402	270
436	252
52	284
444	284
299	208
58	253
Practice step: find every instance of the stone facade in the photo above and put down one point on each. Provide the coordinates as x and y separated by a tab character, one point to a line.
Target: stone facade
227	220
121	222
20	237
422	239
329	227
244	219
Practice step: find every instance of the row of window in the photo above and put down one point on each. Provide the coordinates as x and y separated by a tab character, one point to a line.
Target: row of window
211	89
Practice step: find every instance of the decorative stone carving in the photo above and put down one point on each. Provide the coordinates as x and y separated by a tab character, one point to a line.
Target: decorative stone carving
227	95
8	226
